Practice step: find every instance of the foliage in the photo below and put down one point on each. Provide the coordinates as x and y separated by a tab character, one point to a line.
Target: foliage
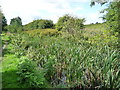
99	35
73	24
61	21
69	23
30	74
9	66
43	32
39	24
16	20
15	25
9	69
112	17
72	61
102	2
4	21
85	59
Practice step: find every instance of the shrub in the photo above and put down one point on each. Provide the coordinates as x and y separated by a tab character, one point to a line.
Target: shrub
39	24
30	74
70	24
61	21
44	32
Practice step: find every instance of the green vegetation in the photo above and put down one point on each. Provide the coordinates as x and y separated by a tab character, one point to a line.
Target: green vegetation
4	22
72	55
9	76
15	25
30	74
112	17
9	66
69	24
39	24
99	35
62	60
42	32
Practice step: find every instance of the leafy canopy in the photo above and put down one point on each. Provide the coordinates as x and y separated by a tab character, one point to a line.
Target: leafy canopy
39	24
15	25
69	23
3	21
112	17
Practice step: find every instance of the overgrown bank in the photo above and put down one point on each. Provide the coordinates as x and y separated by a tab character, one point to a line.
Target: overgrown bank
64	60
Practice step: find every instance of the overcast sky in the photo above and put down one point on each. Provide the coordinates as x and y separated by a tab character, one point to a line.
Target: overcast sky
30	10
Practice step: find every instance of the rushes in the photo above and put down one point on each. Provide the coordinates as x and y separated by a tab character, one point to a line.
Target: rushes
69	63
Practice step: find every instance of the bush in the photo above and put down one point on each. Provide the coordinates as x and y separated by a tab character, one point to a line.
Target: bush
70	24
44	32
39	24
61	21
29	74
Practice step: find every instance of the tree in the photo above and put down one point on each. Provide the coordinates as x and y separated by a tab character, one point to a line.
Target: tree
61	21
3	21
112	17
39	24
49	24
70	24
16	20
15	25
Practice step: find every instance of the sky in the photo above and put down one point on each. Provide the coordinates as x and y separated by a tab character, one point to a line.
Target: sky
29	10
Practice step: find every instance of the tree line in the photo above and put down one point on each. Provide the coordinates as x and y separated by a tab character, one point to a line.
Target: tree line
67	22
63	24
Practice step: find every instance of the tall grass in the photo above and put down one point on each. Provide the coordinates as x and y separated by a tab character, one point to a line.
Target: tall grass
70	61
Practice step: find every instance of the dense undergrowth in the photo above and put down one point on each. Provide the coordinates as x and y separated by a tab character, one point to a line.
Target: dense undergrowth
63	60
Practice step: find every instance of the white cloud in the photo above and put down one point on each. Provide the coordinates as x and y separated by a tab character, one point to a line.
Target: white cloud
93	18
46	9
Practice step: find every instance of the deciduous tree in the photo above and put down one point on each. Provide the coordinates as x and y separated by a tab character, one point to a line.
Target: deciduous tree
70	23
3	21
15	25
112	17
